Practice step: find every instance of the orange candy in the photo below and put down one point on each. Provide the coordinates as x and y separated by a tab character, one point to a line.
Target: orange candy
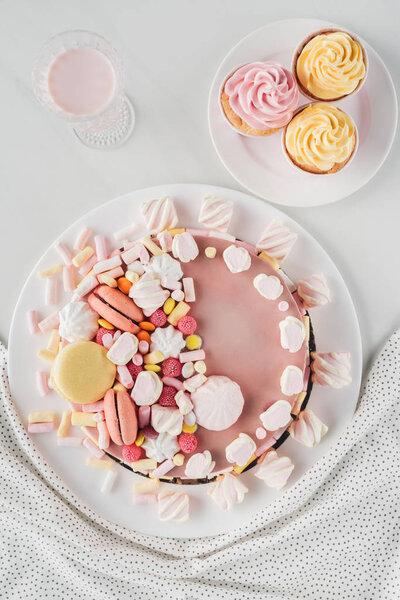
147	326
124	285
144	335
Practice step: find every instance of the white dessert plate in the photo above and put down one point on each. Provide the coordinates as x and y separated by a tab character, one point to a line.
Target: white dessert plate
259	164
335	325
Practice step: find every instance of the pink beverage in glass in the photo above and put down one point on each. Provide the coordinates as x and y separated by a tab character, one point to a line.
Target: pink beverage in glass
81	81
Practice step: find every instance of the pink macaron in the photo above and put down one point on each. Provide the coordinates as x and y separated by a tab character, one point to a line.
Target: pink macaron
121	418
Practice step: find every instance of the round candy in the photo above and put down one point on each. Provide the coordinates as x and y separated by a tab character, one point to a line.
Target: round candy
101	332
134	369
193	342
132	453
82	372
218	403
158	318
171	367
187	325
187	442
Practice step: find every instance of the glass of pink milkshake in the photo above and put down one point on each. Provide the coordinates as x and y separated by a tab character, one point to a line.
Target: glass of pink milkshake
79	76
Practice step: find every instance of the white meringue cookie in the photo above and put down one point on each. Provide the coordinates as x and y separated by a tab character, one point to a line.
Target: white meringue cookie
77	322
167	340
167	268
162	447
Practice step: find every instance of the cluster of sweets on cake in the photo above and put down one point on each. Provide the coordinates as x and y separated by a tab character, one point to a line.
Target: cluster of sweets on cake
127	327
260	98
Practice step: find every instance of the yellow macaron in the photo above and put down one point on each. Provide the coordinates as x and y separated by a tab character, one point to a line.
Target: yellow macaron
82	372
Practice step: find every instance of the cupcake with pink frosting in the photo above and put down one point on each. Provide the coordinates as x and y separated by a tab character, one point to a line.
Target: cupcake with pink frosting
259	98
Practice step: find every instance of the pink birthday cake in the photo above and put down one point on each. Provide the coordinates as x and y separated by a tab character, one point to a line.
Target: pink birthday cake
185	354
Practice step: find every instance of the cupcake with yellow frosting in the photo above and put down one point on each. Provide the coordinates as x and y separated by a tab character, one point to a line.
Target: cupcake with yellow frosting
321	138
330	65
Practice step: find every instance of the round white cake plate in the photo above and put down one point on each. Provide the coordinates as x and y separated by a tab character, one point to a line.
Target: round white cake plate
260	165
335	325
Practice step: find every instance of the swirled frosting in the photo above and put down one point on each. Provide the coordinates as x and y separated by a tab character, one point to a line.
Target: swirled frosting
263	94
331	65
320	137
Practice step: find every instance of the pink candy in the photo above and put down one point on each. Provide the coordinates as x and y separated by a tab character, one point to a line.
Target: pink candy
64	253
188	288
144	498
40	427
42	383
131	254
86	286
192	356
82	238
163	468
138	358
143	348
114	273
93	407
124	376
50	322
33	321
101	247
68	276
93	449
144	416
106	265
176	383
51	291
87	265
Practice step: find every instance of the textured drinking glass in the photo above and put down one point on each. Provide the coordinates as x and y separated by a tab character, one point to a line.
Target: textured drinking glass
79	76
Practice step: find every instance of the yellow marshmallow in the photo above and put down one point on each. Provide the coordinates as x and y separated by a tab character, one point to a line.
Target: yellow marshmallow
82	256
43	416
99	463
65	422
83	418
180	310
146	487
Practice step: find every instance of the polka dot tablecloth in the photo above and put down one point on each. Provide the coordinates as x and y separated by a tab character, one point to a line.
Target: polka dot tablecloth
334	535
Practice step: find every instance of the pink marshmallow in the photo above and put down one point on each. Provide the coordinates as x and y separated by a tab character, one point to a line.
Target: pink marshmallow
144	498
107	340
42	384
137	359
162	469
82	238
99	416
87	265
124	376
51	291
64	253
32	321
86	286
40	427
93	449
104	436
69	441
131	254
165	240
106	265
171	285
192	356
144	416
172	381
143	347
199	232
178	295
114	273
101	247
68	276
50	322
188	288
93	407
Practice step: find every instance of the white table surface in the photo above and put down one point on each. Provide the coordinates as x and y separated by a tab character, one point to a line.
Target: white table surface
171	50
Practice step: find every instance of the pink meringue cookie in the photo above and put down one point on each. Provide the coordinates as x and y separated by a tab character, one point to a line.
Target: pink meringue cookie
237	259
314	291
148	294
331	368
241	450
291	380
199	465
277	240
263	94
218	403
184	247
173	506
166	419
216	214
147	388
159	214
307	428
227	491
293	334
275	470
277	415
269	286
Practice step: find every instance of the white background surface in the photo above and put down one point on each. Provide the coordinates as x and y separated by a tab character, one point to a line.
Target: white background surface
171	50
